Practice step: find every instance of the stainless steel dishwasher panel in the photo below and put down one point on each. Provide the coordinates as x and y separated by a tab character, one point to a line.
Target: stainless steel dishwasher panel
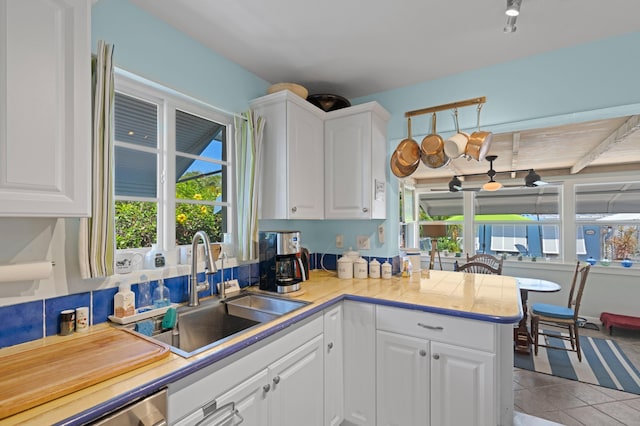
151	411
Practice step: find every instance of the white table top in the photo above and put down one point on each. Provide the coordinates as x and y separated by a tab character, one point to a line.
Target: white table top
536	284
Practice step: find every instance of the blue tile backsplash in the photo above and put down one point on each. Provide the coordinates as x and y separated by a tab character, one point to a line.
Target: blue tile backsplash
34	320
21	323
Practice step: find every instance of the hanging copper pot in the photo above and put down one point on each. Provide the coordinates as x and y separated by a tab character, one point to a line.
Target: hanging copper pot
432	148
479	142
400	170
408	150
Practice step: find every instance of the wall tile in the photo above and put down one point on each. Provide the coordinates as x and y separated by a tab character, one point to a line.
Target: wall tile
103	304
21	323
54	306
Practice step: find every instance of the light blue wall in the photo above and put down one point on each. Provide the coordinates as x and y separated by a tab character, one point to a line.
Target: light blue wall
146	46
587	82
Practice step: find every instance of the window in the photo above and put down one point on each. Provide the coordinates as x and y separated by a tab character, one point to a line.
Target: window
171	167
608	217
442	208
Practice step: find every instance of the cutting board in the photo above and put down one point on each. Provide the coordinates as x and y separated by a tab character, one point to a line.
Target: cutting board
36	376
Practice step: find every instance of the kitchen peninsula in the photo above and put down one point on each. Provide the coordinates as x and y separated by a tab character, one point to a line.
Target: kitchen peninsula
418	330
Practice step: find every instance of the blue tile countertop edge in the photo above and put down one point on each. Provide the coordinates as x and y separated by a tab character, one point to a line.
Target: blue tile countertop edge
152	387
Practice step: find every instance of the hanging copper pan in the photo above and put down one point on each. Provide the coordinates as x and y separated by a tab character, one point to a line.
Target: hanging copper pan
479	142
408	150
400	170
432	148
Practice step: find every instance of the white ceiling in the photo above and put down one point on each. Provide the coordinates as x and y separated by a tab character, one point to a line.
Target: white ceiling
360	47
354	48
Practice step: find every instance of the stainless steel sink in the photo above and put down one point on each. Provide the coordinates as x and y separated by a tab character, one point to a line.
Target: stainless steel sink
262	308
213	322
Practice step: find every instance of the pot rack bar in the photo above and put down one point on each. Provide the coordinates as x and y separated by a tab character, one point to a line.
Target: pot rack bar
459	104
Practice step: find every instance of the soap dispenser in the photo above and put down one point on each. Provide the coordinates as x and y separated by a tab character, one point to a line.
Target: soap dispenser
124	302
161	295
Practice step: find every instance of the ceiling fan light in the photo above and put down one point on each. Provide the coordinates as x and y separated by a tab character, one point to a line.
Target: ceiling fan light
492	185
513	7
454	184
532	178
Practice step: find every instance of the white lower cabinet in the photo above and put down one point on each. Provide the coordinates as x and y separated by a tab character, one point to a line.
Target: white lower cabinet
296	396
333	367
462	386
276	382
402	380
359	328
247	403
423	381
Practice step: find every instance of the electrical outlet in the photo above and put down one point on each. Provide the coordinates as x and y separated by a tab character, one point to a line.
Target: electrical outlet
381	234
339	241
363	242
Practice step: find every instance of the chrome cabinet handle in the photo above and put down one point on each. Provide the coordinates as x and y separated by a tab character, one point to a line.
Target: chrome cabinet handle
294	209
422	352
213	409
266	388
436	356
364	209
330	345
431	327
276	380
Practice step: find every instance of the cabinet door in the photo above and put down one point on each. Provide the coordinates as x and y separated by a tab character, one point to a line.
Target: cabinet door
348	159
305	146
359	338
333	367
249	399
402	380
292	166
297	387
462	386
45	108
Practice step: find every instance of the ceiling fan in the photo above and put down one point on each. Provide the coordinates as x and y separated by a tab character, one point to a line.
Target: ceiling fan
532	179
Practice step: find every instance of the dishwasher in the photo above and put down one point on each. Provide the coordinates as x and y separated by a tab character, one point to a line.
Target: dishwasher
212	415
150	411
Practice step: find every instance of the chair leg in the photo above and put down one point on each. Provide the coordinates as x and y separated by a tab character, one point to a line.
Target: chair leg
534	333
577	337
572	338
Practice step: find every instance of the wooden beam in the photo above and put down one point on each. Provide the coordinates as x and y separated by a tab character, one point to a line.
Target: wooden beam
627	128
515	149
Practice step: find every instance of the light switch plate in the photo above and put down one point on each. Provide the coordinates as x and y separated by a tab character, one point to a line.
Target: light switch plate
363	242
339	241
381	234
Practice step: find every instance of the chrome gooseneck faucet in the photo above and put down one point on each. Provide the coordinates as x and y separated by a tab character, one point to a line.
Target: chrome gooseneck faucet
209	265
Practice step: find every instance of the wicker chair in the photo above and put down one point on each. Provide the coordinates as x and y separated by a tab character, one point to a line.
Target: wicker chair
477	268
561	316
492	261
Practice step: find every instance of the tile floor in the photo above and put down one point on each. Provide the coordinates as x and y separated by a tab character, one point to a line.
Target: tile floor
543	400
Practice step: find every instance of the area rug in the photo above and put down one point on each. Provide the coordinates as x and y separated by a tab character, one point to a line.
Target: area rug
603	363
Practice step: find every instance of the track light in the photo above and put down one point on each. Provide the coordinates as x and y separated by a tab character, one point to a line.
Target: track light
510	27
513	7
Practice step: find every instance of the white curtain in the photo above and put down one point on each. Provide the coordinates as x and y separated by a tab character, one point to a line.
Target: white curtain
248	140
97	233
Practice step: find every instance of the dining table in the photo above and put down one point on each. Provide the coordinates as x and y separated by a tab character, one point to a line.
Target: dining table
522	336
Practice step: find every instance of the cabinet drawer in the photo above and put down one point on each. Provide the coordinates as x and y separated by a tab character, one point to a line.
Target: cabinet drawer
442	328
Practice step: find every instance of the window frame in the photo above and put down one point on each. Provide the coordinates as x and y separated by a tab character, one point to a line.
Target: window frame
168	101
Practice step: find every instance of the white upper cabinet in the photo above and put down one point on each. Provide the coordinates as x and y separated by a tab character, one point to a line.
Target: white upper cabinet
292	176
355	157
45	108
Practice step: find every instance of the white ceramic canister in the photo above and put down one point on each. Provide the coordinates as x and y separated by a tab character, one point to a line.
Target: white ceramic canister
345	268
374	269
351	254
386	270
360	269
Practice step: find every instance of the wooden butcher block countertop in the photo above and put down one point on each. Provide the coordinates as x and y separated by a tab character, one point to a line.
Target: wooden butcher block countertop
36	376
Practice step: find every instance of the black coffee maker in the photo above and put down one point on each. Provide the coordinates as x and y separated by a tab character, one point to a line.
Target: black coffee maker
282	267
